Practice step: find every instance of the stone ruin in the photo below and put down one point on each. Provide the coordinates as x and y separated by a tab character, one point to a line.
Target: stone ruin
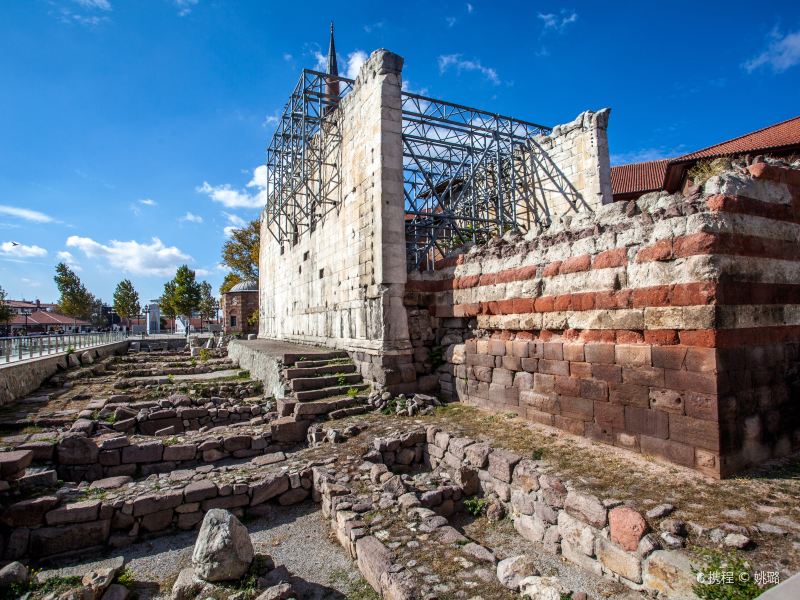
664	326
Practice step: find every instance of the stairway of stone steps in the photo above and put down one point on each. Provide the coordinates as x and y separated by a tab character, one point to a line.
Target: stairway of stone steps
318	385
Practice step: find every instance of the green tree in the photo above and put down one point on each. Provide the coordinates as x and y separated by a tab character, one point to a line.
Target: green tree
184	294
5	309
208	303
74	299
126	300
165	301
240	252
96	313
230	280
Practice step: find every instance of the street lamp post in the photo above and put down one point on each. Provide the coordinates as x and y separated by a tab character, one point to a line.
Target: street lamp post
147	319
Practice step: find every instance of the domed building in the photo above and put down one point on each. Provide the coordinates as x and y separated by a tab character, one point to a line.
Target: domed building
241	309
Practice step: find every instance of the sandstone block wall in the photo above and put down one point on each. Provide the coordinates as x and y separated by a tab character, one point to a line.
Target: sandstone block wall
667	326
571	165
341	285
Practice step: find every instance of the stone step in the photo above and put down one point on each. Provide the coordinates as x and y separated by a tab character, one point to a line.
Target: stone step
289	359
326	406
323	363
339	390
326	369
349	411
317	383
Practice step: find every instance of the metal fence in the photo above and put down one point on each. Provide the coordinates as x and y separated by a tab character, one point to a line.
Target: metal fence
33	346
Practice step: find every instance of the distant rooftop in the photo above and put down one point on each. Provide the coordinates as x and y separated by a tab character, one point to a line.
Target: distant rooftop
245	286
629	181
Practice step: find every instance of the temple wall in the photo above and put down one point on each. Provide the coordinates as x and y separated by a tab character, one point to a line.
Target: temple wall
341	285
668	326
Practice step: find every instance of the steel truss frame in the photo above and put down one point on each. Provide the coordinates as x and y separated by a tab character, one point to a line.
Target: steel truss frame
303	157
466	177
467	173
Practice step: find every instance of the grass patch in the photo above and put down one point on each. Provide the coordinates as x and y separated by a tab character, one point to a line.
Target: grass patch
55	586
703	170
356	588
352	392
724	576
126	578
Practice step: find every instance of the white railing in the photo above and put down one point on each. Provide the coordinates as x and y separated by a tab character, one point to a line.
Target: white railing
33	346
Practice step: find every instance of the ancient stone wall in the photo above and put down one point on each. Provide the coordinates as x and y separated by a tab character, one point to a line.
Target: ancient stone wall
571	165
667	326
342	284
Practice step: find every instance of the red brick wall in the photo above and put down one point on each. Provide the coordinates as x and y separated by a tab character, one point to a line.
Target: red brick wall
669	326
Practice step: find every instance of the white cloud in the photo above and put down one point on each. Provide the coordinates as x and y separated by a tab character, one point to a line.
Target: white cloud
21	250
272	119
185	6
230	197
191	218
322	62
140	259
407	87
287	57
95	4
69	260
370	27
450	21
455	61
31	282
147	202
782	53
235	222
470	8
354	62
558	22
235	219
646	154
25	213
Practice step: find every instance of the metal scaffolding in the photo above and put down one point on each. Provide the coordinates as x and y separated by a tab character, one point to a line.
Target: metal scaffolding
466	176
468	173
303	157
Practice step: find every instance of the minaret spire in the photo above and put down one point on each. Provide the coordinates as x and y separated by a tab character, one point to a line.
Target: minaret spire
333	68
332	83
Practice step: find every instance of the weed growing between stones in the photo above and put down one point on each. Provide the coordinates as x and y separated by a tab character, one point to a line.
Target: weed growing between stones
352	392
126	578
724	576
33	590
475	506
357	588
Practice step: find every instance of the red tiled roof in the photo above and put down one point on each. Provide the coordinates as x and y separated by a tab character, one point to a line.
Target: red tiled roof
638	177
786	133
41	317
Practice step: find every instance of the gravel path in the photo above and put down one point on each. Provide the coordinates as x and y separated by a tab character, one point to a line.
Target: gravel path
295	536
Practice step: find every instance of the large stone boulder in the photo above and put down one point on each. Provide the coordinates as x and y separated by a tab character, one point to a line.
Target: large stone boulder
223	551
514	569
13	573
542	588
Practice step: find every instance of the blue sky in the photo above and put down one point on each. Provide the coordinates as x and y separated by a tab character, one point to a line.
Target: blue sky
130	131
